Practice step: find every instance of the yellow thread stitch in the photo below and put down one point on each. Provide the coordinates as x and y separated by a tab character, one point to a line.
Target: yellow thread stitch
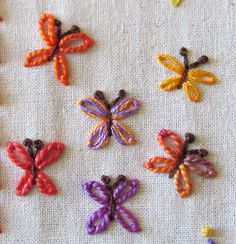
175	3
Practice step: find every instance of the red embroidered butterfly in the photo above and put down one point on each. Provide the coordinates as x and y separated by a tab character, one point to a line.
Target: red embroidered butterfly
33	164
57	44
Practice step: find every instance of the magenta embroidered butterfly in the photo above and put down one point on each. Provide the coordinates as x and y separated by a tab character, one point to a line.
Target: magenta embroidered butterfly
111	196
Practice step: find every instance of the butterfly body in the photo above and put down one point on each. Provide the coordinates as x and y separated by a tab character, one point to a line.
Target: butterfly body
110	116
181	162
111	196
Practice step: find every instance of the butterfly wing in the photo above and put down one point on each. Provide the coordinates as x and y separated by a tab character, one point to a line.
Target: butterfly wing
183	182
97	192
47	29
160	164
170	63
122	133
17	154
25	184
201	76
170	83
200	166
191	91
170	142
126	219
44	184
67	41
48	154
60	69
98	221
93	107
125	190
124	108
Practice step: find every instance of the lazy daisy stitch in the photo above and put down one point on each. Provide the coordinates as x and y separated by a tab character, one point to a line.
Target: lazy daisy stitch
182	160
111	196
33	163
57	44
110	116
186	74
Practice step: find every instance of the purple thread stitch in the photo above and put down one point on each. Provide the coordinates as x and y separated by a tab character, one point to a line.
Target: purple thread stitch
111	196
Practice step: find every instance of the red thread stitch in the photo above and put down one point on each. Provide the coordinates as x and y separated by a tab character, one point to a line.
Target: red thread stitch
33	162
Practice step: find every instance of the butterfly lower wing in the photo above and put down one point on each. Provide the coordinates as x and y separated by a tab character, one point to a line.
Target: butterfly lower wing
96	191
37	57
160	164
45	185
183	182
25	184
125	190
126	219
191	91
99	136
170	142
67	41
48	154
98	221
170	63
93	108
124	108
47	29
170	83
201	76
200	166
60	69
122	133
17	154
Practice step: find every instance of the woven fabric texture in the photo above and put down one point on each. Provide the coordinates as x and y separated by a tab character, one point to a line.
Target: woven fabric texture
128	35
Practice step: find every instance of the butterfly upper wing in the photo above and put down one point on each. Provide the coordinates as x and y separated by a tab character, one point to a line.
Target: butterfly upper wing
200	166
24	184
48	154
175	150
191	91
66	43
122	133
160	164
93	107
99	136
201	76
183	182
97	192
125	190
17	154
98	221
169	83
124	108
126	219
47	29
170	63
60	69
45	185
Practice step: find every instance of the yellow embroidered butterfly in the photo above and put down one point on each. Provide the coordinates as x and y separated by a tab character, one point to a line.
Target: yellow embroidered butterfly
187	74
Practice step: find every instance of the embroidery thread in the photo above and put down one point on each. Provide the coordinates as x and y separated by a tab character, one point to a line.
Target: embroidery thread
207	231
109	116
187	74
181	162
33	163
111	196
175	3
57	44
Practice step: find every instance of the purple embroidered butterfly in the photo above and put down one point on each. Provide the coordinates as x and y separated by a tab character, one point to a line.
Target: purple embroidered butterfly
110	116
111	196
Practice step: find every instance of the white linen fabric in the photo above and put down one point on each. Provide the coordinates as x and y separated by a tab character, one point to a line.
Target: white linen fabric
128	35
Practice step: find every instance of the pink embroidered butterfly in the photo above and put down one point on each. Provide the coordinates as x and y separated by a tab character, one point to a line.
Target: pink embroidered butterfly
33	164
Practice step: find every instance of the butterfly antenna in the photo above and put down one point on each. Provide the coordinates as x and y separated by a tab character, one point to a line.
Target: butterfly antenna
100	96
202	60
121	94
184	53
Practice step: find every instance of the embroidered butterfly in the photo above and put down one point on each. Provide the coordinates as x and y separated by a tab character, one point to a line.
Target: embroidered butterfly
181	162
186	74
110	116
57	44
111	196
33	163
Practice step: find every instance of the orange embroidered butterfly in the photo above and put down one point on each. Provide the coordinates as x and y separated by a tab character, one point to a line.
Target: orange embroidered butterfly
186	74
57	44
